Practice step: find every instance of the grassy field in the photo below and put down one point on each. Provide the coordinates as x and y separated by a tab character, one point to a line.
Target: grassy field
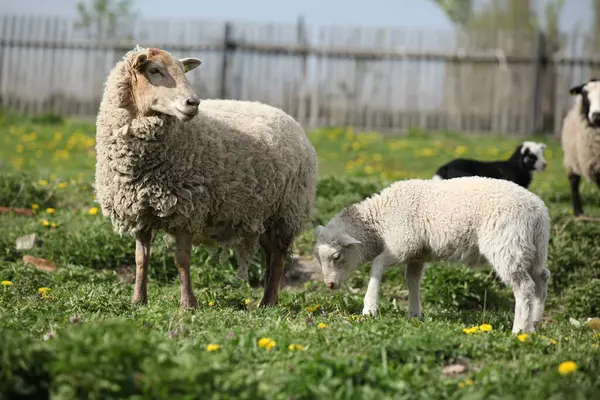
72	333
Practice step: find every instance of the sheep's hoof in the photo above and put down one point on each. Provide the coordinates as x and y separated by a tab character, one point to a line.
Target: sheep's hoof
188	303
369	311
268	302
139	299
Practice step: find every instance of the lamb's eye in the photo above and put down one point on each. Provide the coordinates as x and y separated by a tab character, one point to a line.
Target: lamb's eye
336	256
153	70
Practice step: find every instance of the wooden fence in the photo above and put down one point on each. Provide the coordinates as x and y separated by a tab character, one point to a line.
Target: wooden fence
371	79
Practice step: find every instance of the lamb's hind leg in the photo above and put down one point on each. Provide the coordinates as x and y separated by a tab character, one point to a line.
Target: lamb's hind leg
143	241
523	288
541	293
413	274
183	251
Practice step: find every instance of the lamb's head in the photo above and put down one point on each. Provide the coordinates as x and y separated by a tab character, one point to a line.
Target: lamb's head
338	255
159	84
532	156
590	100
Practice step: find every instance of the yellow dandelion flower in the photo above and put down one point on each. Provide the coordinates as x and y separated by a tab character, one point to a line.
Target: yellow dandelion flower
523	337
466	382
553	341
211	303
246	301
296	347
356	146
485	328
50	210
53	225
267	343
368	169
62	185
93	211
460	150
20	148
567	367
471	330
427	152
313	308
46	222
213	347
35	206
322	325
6	283
377	157
43	291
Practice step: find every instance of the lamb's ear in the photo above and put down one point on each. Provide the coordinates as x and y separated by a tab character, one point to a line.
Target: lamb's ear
347	240
319	230
140	60
190	63
575	90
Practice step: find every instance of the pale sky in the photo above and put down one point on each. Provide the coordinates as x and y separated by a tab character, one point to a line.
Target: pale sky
375	13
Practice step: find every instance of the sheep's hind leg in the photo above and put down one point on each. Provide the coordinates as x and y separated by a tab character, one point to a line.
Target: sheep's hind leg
274	262
413	274
143	241
182	261
541	293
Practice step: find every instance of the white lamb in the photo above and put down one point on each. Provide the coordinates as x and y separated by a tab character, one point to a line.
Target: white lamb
468	219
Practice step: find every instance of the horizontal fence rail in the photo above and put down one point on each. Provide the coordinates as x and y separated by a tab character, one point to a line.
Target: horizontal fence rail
385	79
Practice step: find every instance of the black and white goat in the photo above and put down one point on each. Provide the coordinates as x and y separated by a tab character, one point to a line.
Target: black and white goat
527	158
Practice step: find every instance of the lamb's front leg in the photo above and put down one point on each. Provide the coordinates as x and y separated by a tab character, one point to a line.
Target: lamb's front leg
371	297
143	241
182	261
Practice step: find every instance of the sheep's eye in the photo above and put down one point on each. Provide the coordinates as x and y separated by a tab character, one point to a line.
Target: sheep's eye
153	70
336	256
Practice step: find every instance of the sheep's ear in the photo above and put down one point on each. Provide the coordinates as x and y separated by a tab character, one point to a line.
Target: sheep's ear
347	240
140	60
575	90
319	229
190	63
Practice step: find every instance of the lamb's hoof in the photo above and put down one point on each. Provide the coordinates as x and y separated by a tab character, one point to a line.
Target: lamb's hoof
369	311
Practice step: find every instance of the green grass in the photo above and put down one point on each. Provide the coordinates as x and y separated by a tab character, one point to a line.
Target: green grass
83	339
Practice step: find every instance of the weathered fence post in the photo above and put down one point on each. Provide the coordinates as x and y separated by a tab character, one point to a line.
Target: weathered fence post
539	70
228	47
302	41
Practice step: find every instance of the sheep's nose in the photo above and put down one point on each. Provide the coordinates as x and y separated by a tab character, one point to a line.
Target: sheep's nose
193	101
329	284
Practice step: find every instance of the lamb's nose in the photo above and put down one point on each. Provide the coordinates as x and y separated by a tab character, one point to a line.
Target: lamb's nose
329	284
193	101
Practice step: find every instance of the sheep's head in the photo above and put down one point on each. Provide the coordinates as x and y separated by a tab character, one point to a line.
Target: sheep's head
338	255
532	156
159	84
590	100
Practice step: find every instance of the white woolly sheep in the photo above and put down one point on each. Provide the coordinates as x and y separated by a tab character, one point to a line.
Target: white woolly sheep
580	139
468	219
218	172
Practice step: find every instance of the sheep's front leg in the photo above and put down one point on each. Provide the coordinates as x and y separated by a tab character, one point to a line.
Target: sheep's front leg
143	240
182	261
414	272
371	297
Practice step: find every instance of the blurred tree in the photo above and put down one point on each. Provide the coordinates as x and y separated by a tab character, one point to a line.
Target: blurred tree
106	19
596	34
458	11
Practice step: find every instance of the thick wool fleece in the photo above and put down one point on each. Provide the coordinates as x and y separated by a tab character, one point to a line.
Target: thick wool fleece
581	144
460	219
235	170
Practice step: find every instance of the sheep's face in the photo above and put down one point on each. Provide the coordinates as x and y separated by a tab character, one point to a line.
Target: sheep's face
532	156
337	254
160	86
590	100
